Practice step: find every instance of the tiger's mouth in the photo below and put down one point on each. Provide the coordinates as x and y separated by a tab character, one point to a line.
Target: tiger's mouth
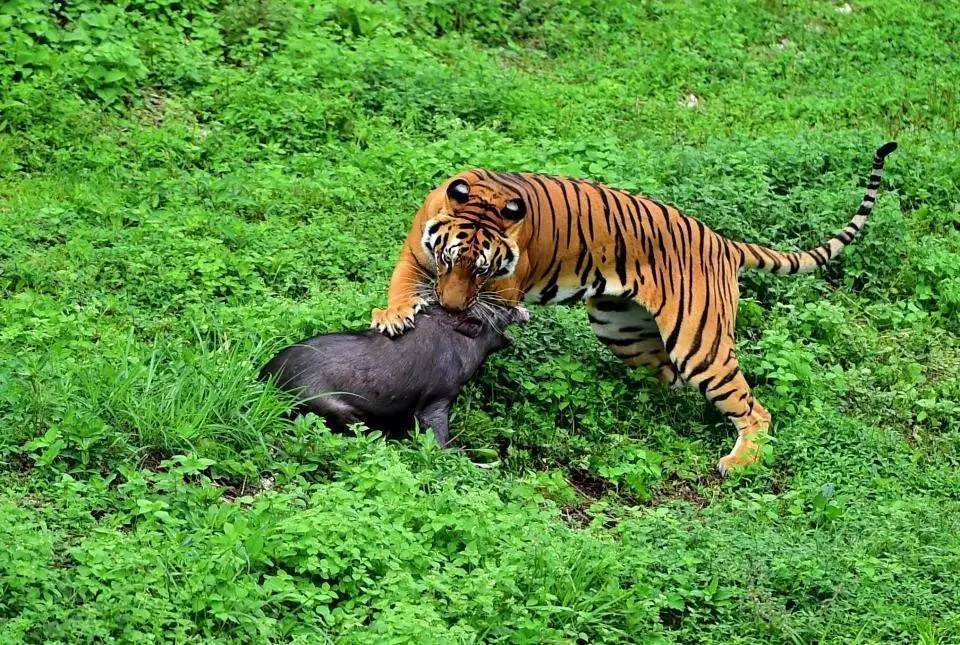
459	309
485	306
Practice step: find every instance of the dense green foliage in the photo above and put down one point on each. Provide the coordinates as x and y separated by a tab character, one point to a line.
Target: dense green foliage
186	185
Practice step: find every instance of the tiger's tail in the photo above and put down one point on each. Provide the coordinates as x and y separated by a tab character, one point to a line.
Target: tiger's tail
759	257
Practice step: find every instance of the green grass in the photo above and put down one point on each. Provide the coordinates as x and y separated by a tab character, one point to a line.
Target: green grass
187	186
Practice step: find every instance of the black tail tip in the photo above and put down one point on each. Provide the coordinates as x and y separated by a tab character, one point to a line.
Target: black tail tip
886	149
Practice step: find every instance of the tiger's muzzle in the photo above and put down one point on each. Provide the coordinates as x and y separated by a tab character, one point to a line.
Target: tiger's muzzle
457	289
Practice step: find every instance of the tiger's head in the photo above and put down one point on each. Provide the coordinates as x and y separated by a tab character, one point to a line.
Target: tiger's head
473	239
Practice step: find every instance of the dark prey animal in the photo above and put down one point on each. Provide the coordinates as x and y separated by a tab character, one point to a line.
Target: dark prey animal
387	383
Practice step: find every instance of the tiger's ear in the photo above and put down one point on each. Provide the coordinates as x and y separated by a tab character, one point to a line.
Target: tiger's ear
514	210
459	191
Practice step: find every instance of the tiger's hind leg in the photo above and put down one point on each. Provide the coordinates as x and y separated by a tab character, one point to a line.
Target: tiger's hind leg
725	386
716	372
632	335
697	330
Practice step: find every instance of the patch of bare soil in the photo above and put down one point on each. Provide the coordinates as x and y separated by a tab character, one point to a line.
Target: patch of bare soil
684	489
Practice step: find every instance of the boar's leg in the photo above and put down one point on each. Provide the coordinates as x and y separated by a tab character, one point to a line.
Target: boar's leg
338	414
436	415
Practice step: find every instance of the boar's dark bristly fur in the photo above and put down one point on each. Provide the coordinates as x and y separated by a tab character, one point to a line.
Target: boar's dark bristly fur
387	383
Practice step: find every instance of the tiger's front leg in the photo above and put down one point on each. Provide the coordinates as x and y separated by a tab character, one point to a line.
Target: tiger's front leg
404	297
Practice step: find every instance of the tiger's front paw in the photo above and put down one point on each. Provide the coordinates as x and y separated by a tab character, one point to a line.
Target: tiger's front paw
393	321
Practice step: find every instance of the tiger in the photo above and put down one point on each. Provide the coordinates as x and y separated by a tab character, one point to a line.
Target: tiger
661	289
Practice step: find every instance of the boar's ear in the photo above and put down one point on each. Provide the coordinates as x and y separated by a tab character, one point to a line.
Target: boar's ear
469	326
519	314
